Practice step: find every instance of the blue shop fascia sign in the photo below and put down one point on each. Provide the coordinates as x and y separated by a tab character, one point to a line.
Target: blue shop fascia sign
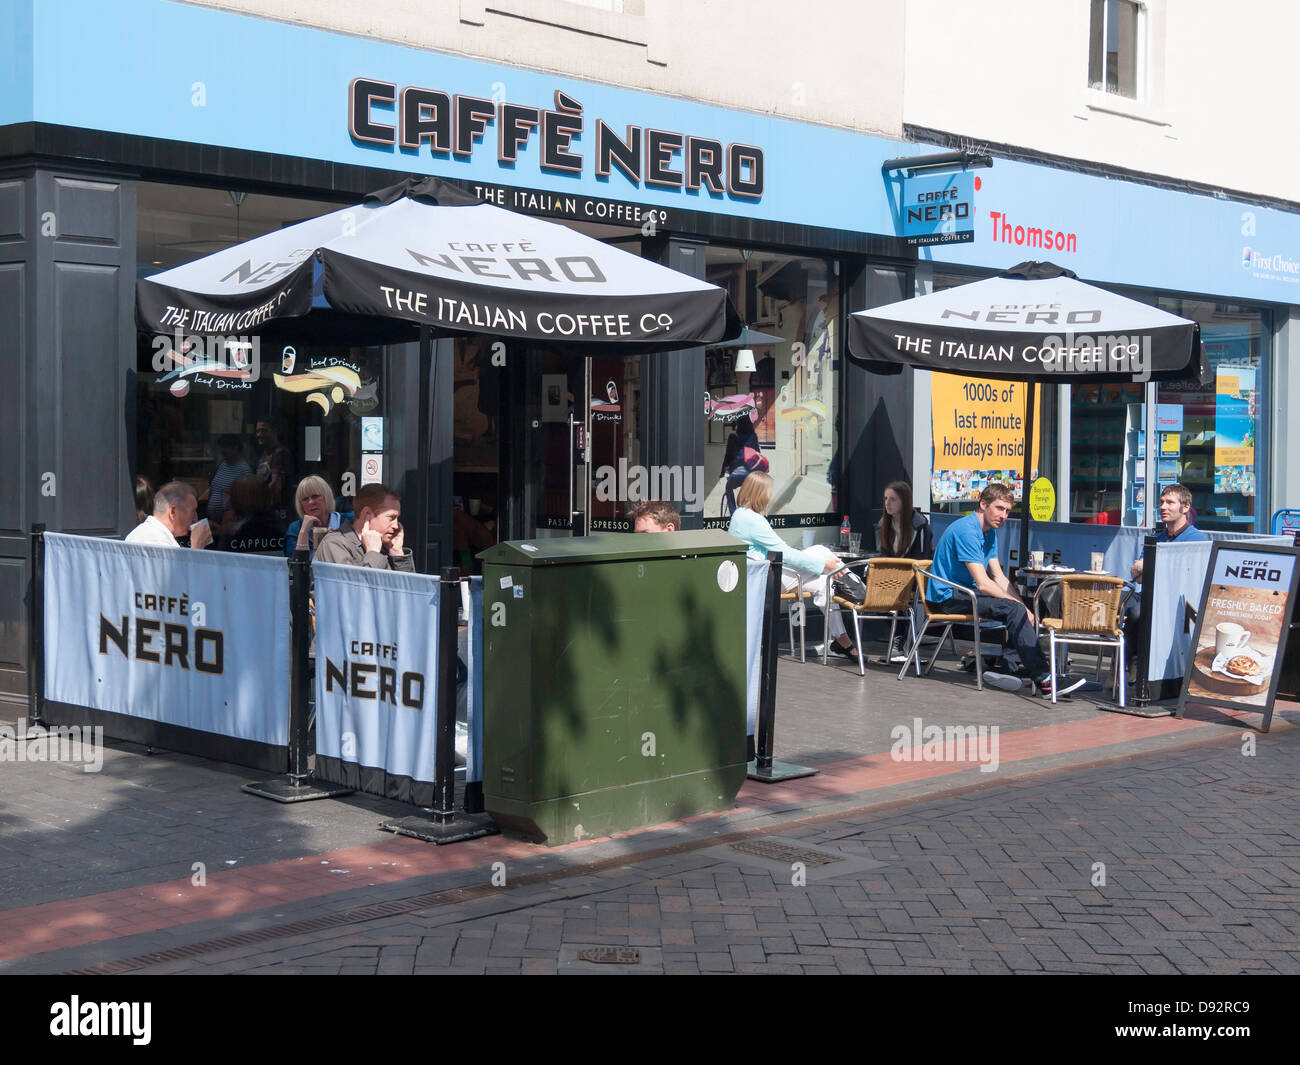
939	208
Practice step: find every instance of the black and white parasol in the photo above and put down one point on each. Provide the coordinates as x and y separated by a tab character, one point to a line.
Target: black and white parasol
427	253
1035	323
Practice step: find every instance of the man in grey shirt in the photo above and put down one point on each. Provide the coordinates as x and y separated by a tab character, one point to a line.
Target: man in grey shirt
374	537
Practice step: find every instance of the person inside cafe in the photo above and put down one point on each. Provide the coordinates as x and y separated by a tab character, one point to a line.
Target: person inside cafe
804	568
274	463
967	555
175	510
654	515
314	501
1176	525
374	537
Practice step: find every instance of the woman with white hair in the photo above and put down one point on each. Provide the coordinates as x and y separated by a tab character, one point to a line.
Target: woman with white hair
314	501
803	568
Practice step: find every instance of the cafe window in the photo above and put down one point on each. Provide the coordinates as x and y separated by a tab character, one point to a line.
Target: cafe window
1218	438
771	395
1116	40
244	419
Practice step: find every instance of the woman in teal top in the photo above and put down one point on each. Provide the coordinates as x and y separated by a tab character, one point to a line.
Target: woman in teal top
806	568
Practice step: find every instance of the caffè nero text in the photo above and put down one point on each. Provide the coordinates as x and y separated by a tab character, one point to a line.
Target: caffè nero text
452	125
377	680
166	643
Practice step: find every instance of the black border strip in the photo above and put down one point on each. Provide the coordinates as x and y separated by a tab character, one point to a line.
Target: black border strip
178	738
374	781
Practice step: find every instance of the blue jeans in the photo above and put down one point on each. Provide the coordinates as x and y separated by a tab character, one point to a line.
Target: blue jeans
1015	616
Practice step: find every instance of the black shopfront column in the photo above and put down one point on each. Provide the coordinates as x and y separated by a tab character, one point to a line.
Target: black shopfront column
418	396
67	356
672	428
878	410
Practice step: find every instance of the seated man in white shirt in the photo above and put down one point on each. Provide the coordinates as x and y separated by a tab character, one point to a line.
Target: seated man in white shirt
175	509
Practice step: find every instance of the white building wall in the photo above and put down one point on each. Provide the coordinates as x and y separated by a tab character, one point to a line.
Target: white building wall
832	62
1219	104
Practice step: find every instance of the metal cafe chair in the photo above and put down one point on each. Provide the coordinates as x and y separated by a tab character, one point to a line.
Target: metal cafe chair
939	616
1092	610
796	601
891	585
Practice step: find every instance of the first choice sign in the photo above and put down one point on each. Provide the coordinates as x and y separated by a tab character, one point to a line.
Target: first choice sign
453	125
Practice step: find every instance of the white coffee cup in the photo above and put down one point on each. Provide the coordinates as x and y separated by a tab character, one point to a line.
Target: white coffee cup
1229	636
1036	559
1098	561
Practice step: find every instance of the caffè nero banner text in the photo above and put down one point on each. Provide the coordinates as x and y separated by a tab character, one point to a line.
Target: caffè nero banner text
376	680
194	639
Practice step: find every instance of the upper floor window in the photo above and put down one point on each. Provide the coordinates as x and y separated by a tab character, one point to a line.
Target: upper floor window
1116	44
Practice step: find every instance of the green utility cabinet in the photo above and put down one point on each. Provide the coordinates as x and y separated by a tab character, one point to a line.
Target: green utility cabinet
613	681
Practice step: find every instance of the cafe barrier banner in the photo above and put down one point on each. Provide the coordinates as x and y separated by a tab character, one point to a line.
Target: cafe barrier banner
376	680
1241	629
755	599
195	640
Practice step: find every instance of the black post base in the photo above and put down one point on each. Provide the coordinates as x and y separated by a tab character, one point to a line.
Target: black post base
460	828
778	771
289	789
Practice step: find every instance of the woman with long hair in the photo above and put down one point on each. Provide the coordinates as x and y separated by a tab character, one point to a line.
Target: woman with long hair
903	532
806	568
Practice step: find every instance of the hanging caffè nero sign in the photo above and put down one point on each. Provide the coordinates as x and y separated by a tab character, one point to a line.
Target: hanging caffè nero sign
453	126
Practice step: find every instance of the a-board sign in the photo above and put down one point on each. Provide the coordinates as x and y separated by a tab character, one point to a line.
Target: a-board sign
1240	639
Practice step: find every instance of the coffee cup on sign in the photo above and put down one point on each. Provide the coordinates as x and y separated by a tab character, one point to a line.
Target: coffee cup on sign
1036	559
287	358
1229	636
1098	561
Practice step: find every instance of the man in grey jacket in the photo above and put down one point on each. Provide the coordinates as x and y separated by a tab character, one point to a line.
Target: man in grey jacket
374	537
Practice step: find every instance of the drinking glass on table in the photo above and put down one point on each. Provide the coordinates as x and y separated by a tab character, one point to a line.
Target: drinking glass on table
855	543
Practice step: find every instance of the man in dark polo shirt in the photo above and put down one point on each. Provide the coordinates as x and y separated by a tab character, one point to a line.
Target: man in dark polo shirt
374	537
1175	525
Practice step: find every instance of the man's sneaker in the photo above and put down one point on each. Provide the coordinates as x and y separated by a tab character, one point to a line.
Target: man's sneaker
1002	682
897	653
1064	685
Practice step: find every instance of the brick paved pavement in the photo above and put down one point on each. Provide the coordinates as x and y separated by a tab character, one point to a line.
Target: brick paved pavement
1200	850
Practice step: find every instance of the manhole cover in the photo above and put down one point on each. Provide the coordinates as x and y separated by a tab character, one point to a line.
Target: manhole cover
784	852
1254	789
610	955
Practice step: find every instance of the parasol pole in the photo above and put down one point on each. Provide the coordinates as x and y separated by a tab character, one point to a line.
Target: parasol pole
1023	557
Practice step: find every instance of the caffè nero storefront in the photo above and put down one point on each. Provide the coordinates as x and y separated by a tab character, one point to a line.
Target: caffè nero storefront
489	438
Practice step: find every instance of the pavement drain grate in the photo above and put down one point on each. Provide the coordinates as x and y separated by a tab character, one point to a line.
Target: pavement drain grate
784	852
610	955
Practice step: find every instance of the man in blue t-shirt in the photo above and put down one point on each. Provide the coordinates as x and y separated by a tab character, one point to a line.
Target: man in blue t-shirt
967	554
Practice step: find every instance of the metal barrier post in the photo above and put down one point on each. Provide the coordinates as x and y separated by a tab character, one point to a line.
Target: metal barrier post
298	785
445	825
36	630
1142	694
764	767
